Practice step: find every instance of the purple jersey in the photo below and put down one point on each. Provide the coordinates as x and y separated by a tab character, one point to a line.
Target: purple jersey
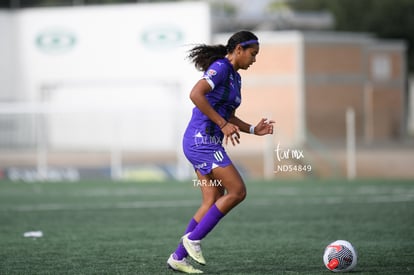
203	138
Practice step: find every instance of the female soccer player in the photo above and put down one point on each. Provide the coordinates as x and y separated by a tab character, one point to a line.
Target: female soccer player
216	97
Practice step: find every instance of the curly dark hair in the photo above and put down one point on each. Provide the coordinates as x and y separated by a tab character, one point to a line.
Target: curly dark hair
204	55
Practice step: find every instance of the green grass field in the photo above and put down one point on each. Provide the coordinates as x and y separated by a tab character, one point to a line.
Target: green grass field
131	228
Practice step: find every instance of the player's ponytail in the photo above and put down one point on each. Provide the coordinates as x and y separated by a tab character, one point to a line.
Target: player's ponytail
204	55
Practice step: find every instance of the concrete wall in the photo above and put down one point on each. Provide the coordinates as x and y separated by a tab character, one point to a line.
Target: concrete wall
306	81
84	66
339	75
8	56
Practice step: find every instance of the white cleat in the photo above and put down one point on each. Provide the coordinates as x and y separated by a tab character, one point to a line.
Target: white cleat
182	266
193	249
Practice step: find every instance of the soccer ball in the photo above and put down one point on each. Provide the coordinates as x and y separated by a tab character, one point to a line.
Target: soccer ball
340	256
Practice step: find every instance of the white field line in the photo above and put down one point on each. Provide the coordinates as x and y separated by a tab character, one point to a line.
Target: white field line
97	206
337	200
392	198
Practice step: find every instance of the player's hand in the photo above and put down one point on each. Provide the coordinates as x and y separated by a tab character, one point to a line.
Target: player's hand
231	132
264	127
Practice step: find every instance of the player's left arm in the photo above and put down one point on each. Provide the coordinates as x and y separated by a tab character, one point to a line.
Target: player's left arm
264	127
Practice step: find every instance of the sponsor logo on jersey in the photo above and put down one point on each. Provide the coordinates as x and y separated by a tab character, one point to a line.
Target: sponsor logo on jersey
211	72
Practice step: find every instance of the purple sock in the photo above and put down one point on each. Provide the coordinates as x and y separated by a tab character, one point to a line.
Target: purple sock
207	223
180	253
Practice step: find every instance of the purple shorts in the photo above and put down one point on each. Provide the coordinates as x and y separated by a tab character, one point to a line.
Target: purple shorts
206	157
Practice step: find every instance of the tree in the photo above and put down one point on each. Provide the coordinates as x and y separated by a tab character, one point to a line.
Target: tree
392	19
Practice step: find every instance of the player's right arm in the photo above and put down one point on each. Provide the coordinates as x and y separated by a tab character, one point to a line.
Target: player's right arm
198	97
